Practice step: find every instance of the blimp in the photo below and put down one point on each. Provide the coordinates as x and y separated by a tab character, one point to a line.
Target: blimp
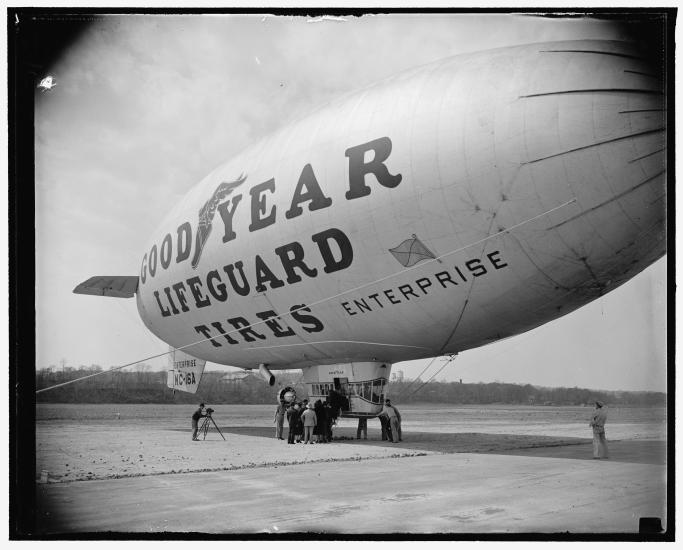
438	210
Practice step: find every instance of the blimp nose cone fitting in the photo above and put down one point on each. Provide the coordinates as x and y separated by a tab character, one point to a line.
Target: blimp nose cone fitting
584	98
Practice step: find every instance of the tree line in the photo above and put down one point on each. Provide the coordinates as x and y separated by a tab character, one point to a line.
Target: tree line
142	385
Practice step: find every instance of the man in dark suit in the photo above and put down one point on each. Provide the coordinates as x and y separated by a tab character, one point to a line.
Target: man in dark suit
292	419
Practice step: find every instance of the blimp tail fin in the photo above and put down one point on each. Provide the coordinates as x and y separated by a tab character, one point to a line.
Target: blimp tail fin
116	286
184	371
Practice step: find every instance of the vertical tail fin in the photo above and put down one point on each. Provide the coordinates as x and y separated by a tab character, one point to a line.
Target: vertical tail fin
184	371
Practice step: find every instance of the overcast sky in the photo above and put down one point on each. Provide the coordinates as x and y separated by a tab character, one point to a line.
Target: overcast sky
145	106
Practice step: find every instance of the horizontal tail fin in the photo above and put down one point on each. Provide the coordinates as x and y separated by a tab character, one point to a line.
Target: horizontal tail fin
116	286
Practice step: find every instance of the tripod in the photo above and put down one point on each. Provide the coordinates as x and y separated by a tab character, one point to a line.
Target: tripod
204	428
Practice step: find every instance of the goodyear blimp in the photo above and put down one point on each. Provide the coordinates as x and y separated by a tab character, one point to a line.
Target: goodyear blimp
439	210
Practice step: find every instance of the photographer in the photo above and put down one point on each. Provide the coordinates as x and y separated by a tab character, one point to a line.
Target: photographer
195	421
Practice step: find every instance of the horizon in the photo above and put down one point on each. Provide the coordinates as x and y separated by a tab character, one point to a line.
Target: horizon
254	375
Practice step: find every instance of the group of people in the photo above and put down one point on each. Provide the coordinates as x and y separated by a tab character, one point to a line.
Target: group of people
306	421
312	422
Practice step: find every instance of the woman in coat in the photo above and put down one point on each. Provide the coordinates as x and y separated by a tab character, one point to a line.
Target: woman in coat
321	423
299	431
292	420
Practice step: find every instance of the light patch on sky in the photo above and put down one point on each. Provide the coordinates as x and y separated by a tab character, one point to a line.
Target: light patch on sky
146	106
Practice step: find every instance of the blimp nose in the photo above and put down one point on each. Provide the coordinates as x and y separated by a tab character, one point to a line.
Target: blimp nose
595	126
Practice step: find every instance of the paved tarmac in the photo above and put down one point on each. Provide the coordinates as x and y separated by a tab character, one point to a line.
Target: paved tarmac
645	451
541	490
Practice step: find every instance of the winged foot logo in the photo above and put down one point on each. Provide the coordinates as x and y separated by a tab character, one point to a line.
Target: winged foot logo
207	212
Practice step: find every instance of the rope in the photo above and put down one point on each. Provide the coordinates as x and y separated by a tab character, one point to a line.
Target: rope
452	357
416	378
323	300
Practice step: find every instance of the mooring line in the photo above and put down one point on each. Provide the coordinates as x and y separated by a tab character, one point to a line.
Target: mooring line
403	391
450	359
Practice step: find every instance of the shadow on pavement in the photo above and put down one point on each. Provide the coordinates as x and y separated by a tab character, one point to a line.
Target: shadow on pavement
634	451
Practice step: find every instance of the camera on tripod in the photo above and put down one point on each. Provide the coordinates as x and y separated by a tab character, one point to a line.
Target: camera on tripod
208	420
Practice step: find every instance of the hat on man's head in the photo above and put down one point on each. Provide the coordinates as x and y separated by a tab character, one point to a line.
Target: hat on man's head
599	404
201	404
387	401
